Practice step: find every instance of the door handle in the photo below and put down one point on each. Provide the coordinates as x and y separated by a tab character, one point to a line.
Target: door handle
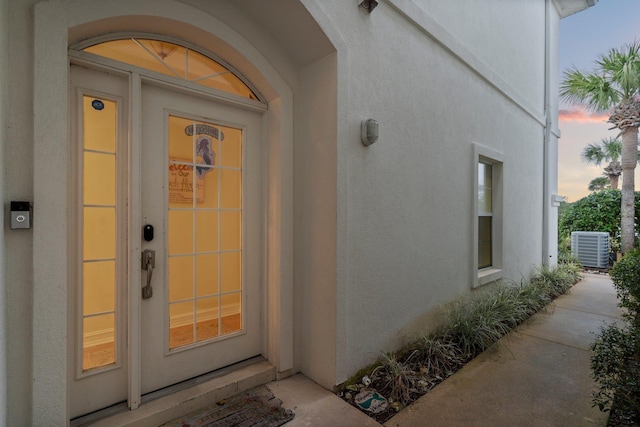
148	263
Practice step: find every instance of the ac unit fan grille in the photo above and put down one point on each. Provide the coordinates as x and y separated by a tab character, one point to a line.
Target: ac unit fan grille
591	248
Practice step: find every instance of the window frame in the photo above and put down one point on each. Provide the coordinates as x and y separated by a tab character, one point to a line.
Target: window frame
483	276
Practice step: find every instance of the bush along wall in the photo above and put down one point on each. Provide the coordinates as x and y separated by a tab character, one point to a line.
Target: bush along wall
599	211
615	363
471	326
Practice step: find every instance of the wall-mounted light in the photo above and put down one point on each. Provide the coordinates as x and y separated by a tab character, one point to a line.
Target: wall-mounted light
369	132
368	5
556	200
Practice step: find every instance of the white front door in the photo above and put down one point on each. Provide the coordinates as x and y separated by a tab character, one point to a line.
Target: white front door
201	194
192	182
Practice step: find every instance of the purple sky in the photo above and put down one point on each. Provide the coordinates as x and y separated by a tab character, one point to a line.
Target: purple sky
583	38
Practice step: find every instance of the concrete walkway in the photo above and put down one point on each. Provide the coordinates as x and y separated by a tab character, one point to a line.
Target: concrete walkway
538	376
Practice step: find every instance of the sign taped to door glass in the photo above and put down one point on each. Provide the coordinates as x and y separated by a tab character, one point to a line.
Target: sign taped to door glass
181	181
206	155
181	171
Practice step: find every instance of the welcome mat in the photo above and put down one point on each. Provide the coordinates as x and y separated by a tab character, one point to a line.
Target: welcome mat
257	407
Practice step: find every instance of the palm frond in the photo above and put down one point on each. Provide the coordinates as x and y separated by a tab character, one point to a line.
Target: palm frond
595	90
612	148
593	153
622	67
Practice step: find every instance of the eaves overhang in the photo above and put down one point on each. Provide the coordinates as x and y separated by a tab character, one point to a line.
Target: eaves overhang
569	7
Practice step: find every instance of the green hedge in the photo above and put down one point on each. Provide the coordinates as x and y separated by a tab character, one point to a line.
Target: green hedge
615	363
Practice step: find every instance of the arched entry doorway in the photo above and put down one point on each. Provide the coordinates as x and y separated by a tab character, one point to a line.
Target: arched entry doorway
167	253
60	23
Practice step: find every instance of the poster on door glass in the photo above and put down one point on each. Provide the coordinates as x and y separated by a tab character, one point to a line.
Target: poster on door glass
181	182
181	173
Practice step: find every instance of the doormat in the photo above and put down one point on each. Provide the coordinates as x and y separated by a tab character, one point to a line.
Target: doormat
257	407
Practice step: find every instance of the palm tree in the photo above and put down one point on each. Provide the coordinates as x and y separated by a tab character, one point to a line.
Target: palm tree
609	150
615	83
600	183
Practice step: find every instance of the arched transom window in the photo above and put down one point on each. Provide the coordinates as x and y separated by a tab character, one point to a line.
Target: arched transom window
173	60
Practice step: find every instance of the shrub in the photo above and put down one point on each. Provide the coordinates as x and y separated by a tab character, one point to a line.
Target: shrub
439	357
555	281
626	279
471	325
615	365
615	362
475	324
599	211
399	377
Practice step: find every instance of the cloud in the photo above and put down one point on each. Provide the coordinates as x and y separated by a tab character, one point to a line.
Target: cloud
582	116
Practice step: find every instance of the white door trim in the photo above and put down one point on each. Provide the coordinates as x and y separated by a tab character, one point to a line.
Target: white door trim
130	92
135	242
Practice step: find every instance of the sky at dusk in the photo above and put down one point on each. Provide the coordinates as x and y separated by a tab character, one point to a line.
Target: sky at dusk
583	38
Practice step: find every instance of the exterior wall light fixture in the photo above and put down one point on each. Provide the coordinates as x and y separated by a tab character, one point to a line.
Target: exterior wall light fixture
369	132
368	5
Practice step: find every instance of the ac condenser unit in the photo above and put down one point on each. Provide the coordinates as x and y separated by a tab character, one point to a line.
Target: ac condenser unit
591	248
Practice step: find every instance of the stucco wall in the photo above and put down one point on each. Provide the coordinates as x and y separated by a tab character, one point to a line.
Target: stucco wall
508	36
4	104
406	202
315	219
18	185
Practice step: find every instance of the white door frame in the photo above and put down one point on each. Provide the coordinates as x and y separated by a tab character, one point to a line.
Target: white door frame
133	147
54	21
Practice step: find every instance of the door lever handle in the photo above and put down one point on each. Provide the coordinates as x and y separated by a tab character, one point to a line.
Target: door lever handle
148	263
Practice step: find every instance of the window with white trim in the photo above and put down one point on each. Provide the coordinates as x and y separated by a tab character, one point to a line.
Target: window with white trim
487	216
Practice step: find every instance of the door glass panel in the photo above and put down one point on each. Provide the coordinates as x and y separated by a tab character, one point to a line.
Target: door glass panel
207	318
99	178
99	131
210	191
231	192
230	232
99	233
99	339
180	142
205	230
180	278
181	330
232	312
230	154
180	232
207	275
99	287
230	279
207	226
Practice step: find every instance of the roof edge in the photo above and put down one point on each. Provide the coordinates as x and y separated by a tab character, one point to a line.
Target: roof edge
569	7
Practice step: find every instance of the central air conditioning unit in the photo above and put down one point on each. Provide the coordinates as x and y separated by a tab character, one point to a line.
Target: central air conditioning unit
591	248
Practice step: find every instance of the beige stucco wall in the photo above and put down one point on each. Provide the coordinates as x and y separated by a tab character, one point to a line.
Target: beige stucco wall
506	36
18	185
4	105
405	203
377	237
315	221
